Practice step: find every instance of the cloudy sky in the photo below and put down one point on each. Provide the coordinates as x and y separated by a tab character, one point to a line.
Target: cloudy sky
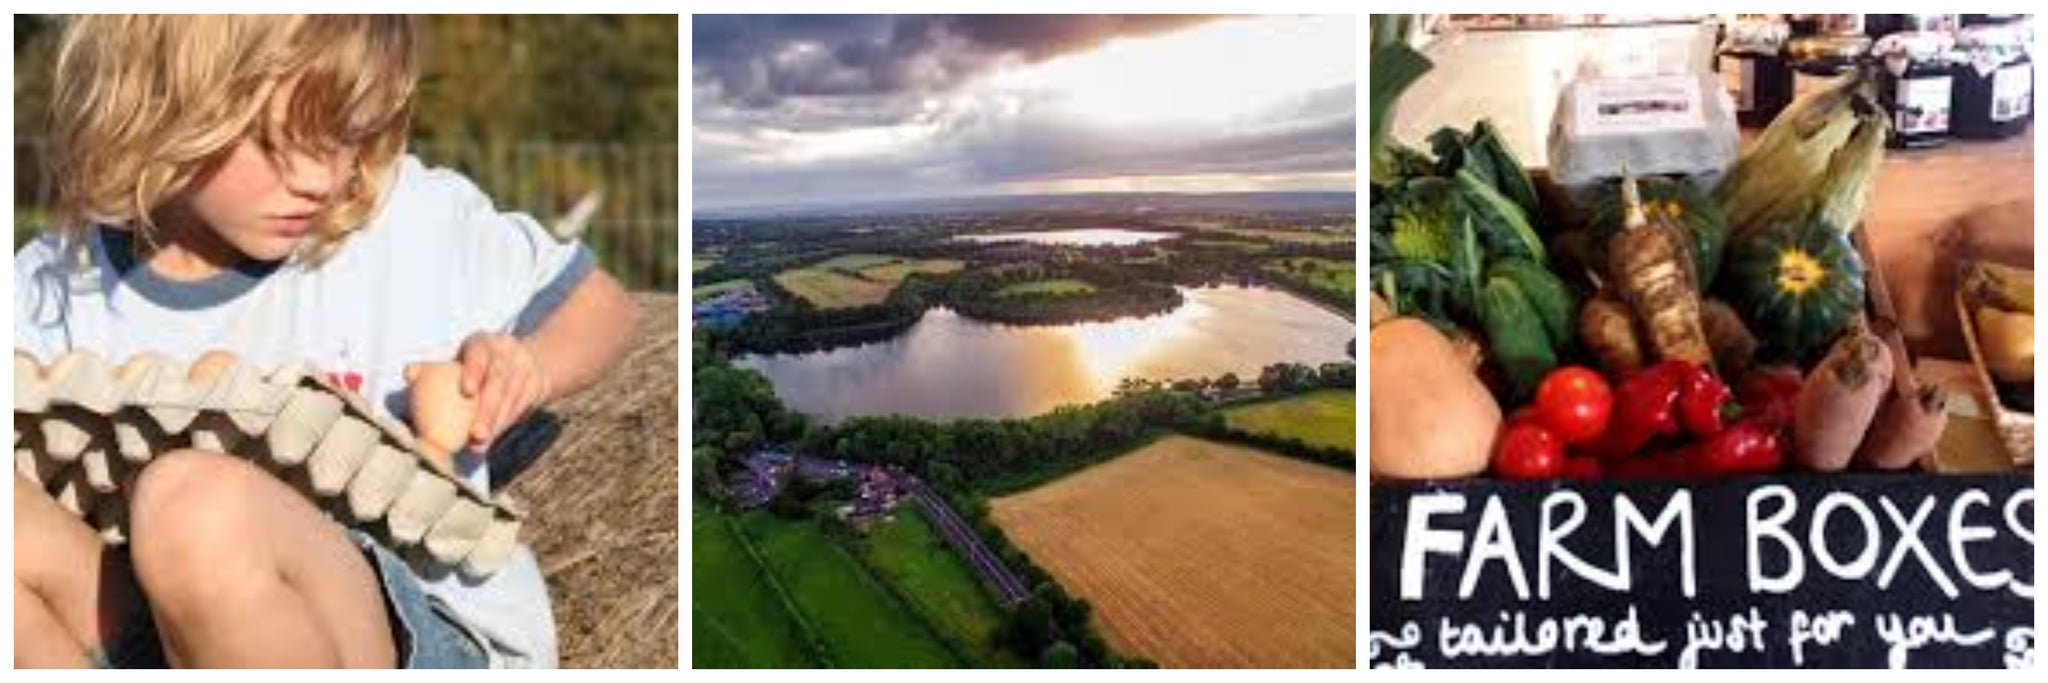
834	109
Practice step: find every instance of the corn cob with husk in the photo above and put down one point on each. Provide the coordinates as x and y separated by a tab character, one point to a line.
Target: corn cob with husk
1816	160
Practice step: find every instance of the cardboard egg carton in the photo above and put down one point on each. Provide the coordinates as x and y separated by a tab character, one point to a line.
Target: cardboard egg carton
83	428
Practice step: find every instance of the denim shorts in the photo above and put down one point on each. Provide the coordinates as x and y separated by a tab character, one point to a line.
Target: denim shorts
426	634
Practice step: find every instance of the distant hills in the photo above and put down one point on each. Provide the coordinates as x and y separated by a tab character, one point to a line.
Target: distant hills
1093	201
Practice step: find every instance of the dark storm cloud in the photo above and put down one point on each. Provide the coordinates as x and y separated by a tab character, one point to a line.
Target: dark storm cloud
762	83
755	61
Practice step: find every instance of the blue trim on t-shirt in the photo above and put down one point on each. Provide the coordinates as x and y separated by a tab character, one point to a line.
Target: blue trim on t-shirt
181	295
580	266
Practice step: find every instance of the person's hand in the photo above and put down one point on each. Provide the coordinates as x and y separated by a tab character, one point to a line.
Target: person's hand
501	373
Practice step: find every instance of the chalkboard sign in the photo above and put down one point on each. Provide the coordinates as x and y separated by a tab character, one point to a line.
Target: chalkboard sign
1807	571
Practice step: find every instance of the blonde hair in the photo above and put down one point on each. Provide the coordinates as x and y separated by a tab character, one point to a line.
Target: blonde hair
145	106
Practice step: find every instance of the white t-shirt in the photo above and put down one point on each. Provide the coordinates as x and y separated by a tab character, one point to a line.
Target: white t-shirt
437	263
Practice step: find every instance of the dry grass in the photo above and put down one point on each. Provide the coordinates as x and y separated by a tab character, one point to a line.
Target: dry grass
857	279
1199	554
603	501
833	289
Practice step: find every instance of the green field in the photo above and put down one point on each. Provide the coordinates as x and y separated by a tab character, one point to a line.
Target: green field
1329	274
938	584
1060	287
896	272
860	623
1276	234
736	619
698	263
1240	245
1327	417
852	280
703	292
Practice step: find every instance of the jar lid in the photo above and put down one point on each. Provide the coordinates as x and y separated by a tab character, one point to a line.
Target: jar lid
1900	51
1932	22
1757	35
1914	45
1989	46
1827	48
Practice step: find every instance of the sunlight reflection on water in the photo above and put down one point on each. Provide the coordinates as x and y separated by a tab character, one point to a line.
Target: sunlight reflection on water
949	366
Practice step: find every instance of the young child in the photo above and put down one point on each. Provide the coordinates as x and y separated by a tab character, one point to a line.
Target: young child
240	183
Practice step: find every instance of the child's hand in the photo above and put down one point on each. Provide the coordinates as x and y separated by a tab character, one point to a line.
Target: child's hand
500	371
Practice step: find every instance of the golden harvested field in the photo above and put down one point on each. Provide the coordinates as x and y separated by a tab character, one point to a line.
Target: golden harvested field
833	289
856	279
1200	554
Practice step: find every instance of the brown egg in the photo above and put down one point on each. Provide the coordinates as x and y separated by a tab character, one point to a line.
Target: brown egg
441	415
210	365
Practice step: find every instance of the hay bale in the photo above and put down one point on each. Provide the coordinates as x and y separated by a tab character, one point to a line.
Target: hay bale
603	501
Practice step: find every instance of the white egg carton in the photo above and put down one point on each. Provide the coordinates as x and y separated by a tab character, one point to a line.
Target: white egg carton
83	429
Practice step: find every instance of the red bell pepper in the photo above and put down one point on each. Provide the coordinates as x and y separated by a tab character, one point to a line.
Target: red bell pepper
1705	404
1645	407
1771	393
1747	447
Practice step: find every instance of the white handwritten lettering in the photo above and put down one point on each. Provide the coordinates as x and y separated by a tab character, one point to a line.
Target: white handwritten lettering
1960	534
2023	527
1549	547
1422	540
1774	527
1909	541
1493	541
1741	633
1824	555
1677	512
1822	629
1908	634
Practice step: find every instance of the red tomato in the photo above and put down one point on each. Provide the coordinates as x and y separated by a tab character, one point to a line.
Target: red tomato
1528	451
1575	404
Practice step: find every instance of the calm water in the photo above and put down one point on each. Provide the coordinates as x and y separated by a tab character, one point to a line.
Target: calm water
946	365
1092	237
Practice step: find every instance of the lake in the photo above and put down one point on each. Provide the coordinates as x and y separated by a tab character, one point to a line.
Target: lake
1090	237
948	366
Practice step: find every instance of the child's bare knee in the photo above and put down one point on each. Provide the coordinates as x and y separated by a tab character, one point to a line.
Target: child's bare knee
186	517
46	538
25	492
181	480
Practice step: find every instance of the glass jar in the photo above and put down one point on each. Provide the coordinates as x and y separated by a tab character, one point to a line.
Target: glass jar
1994	81
1916	87
1818	60
1753	68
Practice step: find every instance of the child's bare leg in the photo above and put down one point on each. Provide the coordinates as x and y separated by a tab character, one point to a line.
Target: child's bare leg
241	571
60	593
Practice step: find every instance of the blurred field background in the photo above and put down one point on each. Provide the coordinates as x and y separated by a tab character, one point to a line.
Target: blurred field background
541	111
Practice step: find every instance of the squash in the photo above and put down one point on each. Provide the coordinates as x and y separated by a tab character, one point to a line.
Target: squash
2007	341
1796	286
1431	416
1380	310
